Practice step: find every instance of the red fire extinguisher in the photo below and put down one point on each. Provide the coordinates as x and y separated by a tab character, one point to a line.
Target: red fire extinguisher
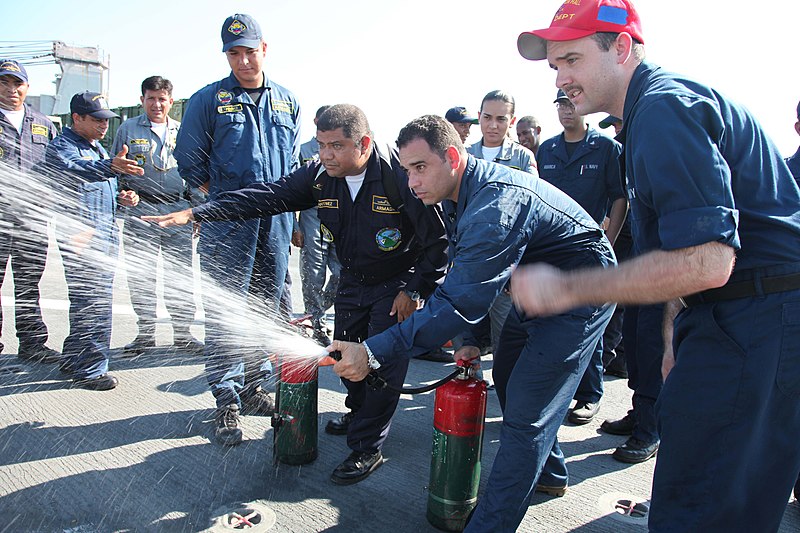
459	412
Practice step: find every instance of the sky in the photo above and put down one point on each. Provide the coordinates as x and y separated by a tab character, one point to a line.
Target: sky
399	60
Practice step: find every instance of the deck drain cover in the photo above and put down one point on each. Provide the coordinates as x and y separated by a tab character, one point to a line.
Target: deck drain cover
252	517
625	507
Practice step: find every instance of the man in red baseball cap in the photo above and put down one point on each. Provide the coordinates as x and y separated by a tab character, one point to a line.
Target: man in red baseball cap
706	186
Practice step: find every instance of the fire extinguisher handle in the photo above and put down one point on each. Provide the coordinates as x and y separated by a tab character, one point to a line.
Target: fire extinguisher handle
336	355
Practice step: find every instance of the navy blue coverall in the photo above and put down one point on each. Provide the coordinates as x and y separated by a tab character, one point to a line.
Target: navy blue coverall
591	177
729	411
504	217
26	246
229	142
88	244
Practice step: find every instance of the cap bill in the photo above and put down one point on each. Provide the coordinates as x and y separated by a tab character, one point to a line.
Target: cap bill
533	45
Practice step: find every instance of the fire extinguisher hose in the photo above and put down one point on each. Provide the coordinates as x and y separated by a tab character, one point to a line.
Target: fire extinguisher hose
376	381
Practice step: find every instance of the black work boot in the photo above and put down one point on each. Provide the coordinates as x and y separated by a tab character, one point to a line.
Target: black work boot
623	426
356	467
338	426
38	354
635	451
100	383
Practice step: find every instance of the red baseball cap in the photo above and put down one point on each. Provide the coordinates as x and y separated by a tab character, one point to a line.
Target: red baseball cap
576	19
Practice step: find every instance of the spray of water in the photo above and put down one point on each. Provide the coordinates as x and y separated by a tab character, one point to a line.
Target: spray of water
32	200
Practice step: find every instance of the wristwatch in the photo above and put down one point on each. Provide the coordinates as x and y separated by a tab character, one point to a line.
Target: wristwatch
414	295
372	363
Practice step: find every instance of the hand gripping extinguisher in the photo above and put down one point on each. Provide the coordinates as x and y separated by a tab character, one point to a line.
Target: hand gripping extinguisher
295	418
459	412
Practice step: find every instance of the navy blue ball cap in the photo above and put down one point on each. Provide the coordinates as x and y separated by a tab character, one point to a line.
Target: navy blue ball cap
241	30
92	104
610	120
13	68
459	115
560	95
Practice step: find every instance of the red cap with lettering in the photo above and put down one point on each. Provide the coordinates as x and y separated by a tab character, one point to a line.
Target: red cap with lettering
576	19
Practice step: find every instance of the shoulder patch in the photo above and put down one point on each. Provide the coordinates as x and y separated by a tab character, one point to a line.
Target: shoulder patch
381	204
224	97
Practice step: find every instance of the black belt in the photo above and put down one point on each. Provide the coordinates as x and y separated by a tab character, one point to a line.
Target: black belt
744	289
374	279
160	198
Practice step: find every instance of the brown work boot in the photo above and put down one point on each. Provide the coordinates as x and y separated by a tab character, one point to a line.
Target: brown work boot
229	431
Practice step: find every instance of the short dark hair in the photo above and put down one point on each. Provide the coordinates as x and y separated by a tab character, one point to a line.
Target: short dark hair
605	39
434	130
529	119
156	83
350	118
501	96
321	110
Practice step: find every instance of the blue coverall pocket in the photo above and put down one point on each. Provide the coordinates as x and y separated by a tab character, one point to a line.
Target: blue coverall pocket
788	377
229	131
706	382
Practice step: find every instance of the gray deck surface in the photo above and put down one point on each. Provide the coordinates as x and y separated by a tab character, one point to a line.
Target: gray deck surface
142	457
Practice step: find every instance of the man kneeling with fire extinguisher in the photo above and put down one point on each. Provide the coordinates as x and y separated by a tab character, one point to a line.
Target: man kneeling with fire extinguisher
497	218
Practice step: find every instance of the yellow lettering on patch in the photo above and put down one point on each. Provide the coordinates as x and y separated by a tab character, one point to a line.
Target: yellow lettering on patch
328	203
381	204
38	129
563	16
233	108
139	141
282	106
